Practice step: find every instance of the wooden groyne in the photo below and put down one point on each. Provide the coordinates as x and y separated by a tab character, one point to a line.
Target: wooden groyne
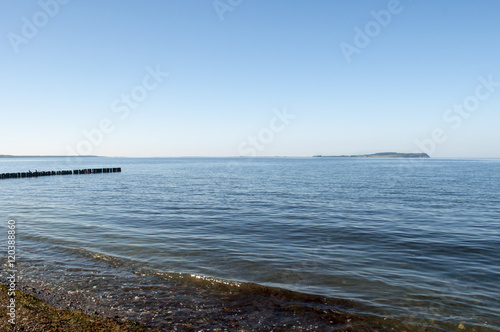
36	174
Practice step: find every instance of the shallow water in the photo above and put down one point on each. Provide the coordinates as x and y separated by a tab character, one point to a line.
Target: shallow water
413	240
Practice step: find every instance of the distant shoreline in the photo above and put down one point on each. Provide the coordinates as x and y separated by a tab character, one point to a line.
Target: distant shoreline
381	155
244	157
11	156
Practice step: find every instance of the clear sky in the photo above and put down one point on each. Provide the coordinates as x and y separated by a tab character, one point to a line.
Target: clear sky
165	78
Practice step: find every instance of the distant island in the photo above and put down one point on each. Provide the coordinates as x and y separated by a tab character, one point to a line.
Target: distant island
381	155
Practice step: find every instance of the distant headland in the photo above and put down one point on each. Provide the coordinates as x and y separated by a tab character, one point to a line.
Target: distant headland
9	156
381	155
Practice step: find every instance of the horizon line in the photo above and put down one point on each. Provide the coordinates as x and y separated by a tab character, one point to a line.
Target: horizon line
221	157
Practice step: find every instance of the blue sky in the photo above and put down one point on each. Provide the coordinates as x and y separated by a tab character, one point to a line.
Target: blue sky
254	78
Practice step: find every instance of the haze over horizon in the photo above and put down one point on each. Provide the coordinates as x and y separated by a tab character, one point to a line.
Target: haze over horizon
250	78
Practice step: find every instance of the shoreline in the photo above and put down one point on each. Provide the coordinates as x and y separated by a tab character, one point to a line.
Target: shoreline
109	288
98	284
42	306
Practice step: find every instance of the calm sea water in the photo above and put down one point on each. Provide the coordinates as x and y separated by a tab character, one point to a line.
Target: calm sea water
413	240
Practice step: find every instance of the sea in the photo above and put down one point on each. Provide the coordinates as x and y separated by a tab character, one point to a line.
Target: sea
263	243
